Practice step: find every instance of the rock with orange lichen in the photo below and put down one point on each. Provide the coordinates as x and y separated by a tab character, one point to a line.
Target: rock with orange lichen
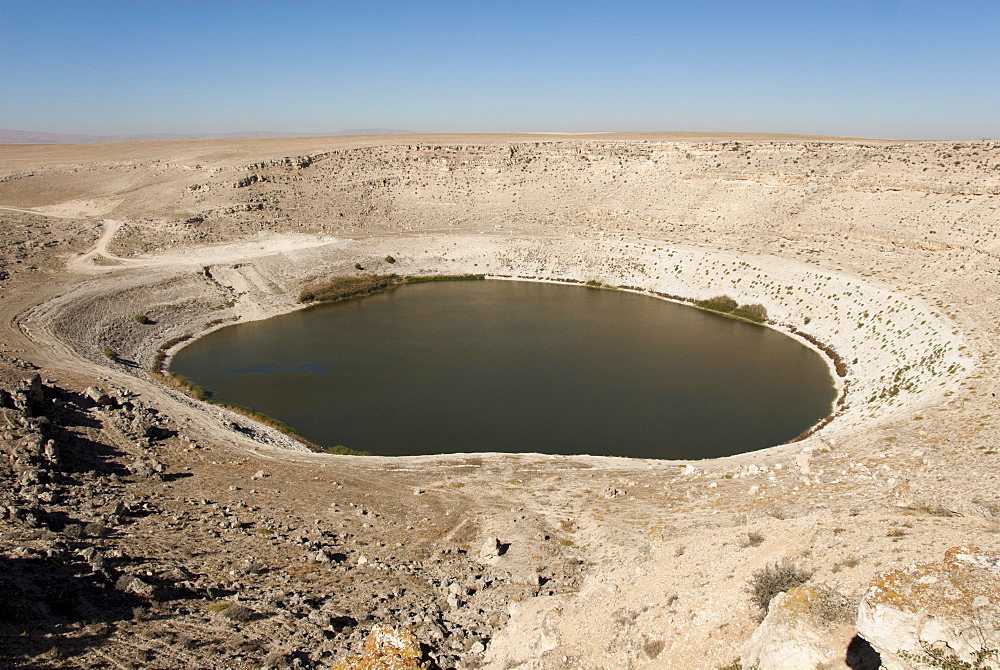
387	648
952	606
807	627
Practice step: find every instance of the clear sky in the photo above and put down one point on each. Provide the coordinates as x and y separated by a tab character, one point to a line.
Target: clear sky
876	68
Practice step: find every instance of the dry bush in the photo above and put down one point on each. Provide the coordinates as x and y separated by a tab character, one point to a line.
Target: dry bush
774	579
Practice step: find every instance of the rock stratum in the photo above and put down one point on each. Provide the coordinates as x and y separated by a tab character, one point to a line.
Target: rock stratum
143	528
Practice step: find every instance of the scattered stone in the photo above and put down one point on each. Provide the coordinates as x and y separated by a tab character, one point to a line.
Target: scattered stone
147	468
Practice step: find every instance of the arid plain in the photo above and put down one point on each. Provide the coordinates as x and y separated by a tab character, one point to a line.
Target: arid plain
141	528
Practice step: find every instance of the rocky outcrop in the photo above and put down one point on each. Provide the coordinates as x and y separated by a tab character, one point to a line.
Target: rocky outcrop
386	649
807	627
934	610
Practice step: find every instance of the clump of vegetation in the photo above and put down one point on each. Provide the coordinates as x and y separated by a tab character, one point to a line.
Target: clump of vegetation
141	318
420	279
192	388
73	530
754	539
358	266
849	562
111	354
341	288
723	304
593	283
774	579
390	259
834	607
341	450
653	647
94	529
719	303
231	611
949	660
260	417
161	353
754	312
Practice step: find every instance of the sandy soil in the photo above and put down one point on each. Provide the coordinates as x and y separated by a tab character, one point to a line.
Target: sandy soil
886	252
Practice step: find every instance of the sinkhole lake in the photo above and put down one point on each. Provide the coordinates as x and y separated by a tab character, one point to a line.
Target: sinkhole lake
509	366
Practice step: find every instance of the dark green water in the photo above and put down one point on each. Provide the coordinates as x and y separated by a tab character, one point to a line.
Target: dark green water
518	367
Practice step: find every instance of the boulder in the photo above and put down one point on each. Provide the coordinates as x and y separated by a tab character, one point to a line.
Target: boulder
98	396
948	608
136	586
386	648
34	390
807	627
492	547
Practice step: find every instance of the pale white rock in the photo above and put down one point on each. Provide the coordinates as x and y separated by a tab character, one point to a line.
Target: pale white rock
799	633
802	460
491	548
949	605
531	631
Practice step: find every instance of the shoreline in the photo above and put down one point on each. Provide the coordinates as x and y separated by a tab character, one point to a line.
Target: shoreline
194	389
252	305
838	381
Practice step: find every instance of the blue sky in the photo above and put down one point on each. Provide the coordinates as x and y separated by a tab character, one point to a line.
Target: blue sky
893	68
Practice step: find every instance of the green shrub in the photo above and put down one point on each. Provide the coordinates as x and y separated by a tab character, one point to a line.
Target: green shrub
949	660
420	279
719	303
755	312
390	259
141	318
193	389
341	450
341	288
593	283
111	354
357	266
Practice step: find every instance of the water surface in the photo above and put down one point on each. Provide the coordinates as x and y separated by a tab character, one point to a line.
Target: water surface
518	367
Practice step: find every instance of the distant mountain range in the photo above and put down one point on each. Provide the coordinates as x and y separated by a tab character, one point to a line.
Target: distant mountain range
31	137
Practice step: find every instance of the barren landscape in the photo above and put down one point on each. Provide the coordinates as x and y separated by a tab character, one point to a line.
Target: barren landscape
140	527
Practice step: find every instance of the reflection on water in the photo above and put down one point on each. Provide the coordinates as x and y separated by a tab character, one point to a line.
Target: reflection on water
518	367
316	368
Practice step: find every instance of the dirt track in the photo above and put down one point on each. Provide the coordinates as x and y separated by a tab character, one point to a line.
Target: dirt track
882	250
